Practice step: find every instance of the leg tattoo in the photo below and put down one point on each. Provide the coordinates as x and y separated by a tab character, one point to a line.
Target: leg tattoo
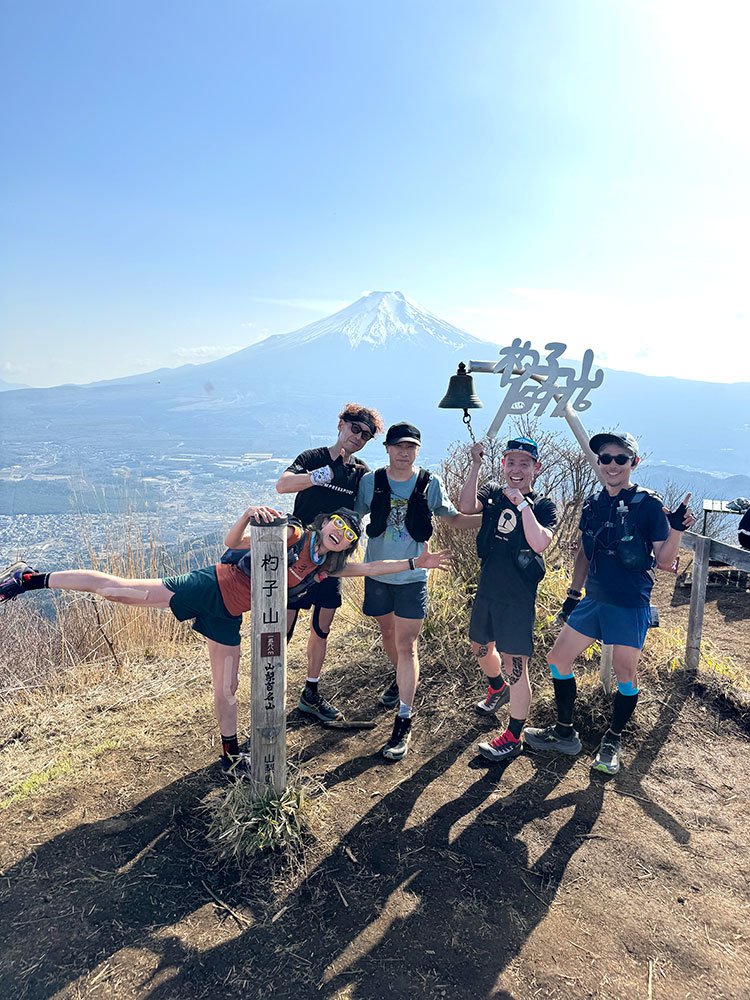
517	669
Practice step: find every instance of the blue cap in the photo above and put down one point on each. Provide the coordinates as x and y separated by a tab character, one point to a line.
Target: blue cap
523	444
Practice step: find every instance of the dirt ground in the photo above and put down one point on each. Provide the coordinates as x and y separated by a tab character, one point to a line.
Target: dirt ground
436	877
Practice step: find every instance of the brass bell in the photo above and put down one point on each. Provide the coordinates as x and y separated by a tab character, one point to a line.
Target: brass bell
460	394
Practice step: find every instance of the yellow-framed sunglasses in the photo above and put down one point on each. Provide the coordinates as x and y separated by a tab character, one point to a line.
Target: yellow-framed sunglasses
349	533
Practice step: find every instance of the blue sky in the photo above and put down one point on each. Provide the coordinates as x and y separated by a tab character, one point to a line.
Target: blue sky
181	179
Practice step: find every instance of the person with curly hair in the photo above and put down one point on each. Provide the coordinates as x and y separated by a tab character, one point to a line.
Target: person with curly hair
324	479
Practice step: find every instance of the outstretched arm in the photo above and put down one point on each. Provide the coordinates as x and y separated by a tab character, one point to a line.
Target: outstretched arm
464	521
426	560
236	537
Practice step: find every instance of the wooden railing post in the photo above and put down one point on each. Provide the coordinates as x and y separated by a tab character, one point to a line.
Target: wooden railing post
697	602
268	656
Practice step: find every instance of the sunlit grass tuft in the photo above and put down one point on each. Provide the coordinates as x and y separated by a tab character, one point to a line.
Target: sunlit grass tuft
242	827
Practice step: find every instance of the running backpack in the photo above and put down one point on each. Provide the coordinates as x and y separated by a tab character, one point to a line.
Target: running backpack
418	515
628	544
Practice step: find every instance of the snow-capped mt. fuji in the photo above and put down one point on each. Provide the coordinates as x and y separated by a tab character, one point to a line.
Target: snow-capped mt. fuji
280	394
377	320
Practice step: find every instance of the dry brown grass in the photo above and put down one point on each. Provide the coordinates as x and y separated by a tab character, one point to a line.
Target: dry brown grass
45	635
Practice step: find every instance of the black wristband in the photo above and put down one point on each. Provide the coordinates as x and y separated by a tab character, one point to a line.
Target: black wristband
411	564
574	593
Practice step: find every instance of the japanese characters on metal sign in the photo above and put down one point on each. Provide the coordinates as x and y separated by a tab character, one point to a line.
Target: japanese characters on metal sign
532	383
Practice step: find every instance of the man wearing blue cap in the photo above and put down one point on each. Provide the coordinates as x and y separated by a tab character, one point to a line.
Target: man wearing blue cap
516	528
624	532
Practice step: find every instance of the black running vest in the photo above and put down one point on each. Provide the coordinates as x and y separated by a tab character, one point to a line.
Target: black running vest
418	514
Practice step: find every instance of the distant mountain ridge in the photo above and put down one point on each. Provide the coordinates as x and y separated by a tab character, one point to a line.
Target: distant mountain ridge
283	394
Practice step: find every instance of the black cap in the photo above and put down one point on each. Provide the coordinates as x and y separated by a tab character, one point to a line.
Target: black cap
403	432
351	517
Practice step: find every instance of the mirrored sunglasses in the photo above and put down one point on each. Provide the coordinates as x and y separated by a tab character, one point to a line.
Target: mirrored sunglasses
618	459
349	533
364	432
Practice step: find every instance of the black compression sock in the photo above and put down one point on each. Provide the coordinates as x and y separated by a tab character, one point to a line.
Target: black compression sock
515	726
311	690
229	746
496	683
623	708
565	696
34	581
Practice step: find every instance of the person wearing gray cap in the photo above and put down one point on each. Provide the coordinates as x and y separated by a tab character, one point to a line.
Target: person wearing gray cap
624	532
402	500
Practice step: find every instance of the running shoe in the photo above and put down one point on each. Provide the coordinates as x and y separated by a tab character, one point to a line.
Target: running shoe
549	739
493	701
236	768
503	747
390	697
607	759
320	709
397	746
10	580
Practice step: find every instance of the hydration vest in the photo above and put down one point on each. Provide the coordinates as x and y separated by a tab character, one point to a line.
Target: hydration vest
626	542
418	515
241	559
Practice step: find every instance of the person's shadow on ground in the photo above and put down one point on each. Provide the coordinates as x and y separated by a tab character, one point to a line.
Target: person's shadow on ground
381	925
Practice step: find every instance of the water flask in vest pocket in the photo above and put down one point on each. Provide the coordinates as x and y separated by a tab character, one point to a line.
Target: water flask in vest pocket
633	554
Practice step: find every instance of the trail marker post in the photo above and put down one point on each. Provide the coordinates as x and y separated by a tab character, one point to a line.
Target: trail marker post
268	763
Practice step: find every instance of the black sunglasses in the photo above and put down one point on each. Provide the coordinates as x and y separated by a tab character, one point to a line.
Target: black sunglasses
619	459
360	431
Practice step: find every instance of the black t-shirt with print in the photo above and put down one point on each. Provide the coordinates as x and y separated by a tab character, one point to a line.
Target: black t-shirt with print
500	578
341	492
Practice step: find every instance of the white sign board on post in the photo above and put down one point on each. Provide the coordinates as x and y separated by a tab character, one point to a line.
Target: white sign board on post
268	656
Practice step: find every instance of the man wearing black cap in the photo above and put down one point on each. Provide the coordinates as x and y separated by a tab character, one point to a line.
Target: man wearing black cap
624	532
516	529
325	479
402	500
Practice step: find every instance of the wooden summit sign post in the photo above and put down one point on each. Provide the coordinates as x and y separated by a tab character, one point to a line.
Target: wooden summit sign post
268	657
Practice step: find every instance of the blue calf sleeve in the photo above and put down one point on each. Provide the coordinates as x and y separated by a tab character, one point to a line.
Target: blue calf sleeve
557	675
627	688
